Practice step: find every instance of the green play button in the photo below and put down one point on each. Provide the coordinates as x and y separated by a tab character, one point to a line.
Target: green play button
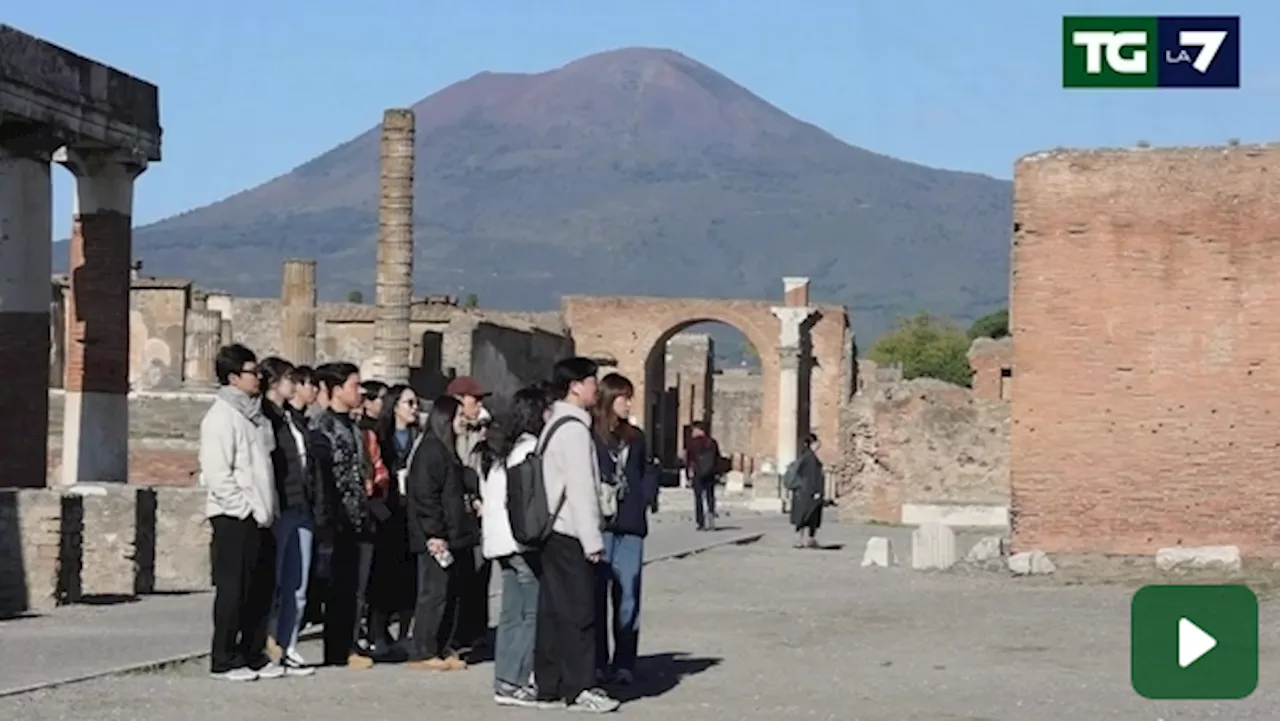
1194	642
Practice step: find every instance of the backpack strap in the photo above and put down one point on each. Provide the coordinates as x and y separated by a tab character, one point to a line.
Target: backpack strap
541	447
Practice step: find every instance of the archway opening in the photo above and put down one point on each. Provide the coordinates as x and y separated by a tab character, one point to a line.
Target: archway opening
703	370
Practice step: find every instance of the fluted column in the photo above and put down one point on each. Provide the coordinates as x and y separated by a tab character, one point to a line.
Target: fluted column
394	283
792	321
26	230
298	304
204	335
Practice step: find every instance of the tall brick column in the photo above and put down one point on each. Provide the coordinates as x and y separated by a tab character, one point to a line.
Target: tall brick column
298	305
95	436
394	283
26	231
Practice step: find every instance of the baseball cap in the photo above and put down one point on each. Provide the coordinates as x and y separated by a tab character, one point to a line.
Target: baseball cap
466	386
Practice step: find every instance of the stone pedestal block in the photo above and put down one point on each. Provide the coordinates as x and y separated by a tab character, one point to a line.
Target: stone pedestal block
735	482
1223	558
766	493
933	546
30	548
1030	563
182	537
109	533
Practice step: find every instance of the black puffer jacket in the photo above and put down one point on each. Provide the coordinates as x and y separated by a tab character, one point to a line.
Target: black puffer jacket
436	499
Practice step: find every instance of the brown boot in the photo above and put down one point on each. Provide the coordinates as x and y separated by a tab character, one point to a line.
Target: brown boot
357	661
430	664
455	662
273	649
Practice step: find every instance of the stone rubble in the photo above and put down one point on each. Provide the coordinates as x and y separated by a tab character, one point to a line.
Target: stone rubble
1181	558
1031	563
879	553
987	549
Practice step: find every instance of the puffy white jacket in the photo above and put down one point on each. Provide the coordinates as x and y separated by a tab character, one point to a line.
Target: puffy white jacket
495	524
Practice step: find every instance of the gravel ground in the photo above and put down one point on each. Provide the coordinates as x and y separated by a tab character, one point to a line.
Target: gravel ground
763	632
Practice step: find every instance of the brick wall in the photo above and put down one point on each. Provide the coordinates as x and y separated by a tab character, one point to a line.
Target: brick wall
736	407
1144	304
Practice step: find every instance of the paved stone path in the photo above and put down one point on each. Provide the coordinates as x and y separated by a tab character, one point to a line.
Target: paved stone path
761	631
75	642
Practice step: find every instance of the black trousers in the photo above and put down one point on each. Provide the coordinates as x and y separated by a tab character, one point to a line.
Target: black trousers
348	578
436	616
564	648
244	577
704	501
473	612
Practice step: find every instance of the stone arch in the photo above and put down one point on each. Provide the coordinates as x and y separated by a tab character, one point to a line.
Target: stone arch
628	329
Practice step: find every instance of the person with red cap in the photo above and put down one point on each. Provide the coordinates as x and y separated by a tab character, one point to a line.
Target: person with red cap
471	427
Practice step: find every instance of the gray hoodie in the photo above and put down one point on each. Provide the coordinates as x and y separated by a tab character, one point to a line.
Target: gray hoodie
236	441
570	468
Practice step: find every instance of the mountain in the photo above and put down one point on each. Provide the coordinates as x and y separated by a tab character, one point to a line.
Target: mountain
636	171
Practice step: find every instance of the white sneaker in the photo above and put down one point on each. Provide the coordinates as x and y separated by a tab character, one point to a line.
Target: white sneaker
294	658
236	674
271	670
294	666
594	700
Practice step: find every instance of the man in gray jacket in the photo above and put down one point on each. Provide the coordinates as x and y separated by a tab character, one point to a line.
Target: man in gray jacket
564	645
236	441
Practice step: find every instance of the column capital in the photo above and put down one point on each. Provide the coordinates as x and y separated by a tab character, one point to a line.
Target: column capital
792	320
99	162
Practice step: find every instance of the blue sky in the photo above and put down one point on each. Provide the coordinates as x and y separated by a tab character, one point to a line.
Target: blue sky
250	90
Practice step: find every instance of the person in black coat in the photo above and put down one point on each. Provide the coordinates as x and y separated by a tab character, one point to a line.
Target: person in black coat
442	535
393	578
807	484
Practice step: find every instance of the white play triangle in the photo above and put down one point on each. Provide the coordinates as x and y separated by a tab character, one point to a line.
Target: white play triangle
1193	643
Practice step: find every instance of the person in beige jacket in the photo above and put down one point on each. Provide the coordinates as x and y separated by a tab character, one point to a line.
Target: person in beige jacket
565	639
236	441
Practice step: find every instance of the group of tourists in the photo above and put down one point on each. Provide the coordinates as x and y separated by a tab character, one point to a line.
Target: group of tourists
381	515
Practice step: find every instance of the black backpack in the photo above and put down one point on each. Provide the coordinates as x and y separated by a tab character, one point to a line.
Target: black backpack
527	507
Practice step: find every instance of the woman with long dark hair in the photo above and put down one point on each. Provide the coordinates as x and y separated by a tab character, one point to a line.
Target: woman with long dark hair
442	536
629	486
392	580
517	623
295	528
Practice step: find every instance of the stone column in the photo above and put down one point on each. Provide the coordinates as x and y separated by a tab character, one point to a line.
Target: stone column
394	283
225	335
95	436
204	335
298	304
792	319
26	232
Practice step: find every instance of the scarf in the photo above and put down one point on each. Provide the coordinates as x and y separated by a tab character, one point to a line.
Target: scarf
250	408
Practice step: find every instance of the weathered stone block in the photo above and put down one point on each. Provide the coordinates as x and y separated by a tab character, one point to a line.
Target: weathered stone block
1031	563
735	482
933	545
182	536
987	549
109	533
1178	558
30	547
879	553
767	493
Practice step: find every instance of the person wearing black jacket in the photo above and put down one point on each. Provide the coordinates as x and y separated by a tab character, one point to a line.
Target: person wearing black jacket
340	462
392	582
300	500
442	535
628	476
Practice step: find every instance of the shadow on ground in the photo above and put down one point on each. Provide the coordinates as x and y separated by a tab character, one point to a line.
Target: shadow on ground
658	673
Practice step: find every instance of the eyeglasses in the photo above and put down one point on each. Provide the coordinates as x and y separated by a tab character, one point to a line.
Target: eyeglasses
411	402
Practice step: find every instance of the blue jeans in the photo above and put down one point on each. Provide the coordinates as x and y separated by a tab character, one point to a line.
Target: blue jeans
618	580
704	501
294	534
517	623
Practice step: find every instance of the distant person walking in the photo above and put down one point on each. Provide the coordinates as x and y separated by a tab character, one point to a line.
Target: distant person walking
517	623
235	463
806	481
341	460
629	484
564	647
702	461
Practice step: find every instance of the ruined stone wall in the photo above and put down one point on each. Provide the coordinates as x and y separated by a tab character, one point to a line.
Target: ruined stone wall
157	338
506	359
992	364
256	323
1144	304
737	395
922	441
61	547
